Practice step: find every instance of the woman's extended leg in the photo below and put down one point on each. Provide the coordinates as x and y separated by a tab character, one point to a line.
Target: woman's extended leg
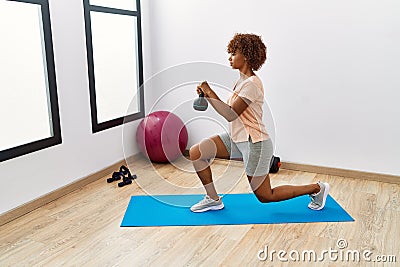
201	154
261	187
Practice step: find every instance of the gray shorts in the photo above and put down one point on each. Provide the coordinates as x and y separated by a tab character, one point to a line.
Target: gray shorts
256	156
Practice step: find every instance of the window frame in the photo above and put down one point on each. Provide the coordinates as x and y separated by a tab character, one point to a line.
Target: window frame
56	139
96	126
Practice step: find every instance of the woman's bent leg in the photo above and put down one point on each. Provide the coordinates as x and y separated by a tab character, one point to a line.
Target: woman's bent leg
261	187
201	155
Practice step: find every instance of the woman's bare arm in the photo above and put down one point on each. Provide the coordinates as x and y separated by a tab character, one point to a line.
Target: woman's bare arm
230	113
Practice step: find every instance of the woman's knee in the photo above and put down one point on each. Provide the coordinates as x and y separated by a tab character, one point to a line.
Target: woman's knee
204	150
194	152
264	197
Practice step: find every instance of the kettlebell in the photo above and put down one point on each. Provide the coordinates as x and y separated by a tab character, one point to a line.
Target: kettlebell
200	103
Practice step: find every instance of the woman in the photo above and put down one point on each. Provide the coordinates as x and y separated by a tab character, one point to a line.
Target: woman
248	136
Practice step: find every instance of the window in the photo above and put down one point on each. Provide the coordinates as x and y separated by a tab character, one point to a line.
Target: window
114	51
29	116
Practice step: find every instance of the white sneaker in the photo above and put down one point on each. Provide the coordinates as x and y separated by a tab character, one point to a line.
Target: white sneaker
206	204
318	200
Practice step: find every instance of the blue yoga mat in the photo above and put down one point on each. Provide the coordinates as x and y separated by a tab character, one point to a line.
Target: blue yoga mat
173	210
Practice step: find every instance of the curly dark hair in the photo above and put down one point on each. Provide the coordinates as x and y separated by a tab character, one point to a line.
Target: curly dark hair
251	46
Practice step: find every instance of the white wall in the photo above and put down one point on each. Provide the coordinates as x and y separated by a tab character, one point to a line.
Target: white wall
331	77
81	152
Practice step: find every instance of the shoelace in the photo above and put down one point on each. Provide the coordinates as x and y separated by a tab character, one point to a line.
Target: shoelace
205	200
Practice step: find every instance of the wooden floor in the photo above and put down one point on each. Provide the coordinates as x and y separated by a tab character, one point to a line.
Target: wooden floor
82	228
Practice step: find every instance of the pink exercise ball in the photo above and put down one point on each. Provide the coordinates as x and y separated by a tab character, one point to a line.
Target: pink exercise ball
162	136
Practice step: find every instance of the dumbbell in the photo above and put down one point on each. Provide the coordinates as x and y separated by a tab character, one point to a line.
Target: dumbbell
115	177
127	180
118	175
123	173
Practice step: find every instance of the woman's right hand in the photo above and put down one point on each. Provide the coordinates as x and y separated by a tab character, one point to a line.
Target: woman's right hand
204	88
198	90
